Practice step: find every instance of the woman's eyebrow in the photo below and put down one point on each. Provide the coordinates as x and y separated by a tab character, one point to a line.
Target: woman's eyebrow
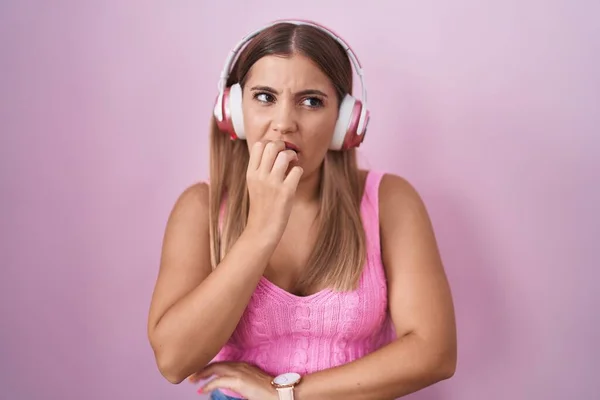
300	93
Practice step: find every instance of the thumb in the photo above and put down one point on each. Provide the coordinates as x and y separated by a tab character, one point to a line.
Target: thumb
224	382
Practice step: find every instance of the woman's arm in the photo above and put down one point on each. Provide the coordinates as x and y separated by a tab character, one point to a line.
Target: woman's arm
194	311
420	304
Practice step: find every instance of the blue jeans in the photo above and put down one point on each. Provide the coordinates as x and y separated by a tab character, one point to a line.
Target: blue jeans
218	395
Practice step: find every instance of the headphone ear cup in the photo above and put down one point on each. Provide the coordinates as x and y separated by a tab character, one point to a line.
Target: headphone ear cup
344	135
218	109
221	113
228	112
343	120
236	112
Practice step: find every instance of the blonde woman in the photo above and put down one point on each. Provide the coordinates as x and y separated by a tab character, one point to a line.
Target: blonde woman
294	274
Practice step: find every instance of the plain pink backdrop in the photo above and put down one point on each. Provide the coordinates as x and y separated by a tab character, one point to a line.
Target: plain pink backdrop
490	108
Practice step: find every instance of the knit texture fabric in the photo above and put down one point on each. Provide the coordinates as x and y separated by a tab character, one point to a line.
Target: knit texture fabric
280	332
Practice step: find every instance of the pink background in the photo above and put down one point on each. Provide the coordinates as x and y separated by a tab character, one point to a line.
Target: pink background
490	108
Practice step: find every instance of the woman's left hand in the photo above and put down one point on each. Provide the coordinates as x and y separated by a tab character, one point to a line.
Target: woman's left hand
244	379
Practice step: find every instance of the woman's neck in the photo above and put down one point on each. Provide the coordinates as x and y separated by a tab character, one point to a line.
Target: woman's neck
308	188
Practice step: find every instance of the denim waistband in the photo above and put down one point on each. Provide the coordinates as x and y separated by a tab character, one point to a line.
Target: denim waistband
218	395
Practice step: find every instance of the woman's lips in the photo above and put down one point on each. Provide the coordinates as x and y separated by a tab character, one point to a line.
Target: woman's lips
291	146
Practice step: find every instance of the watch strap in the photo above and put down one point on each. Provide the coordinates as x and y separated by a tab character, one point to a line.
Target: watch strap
286	393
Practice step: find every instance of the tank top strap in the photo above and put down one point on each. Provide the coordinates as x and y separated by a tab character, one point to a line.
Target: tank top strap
370	211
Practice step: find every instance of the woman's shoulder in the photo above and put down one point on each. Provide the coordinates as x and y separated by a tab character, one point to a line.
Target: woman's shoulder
193	201
393	185
197	193
397	195
390	185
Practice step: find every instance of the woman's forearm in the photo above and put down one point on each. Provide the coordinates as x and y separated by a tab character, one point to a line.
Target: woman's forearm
194	329
400	368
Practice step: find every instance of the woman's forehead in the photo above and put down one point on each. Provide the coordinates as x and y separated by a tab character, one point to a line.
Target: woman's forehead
293	72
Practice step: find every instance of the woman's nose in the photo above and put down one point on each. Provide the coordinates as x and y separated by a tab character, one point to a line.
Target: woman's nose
284	119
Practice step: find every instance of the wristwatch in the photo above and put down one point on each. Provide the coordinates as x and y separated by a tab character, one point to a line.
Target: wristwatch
285	384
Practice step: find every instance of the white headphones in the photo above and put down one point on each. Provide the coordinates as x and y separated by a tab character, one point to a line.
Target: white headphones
353	118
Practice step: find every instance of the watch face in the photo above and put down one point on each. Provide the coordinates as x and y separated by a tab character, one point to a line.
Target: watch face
286	379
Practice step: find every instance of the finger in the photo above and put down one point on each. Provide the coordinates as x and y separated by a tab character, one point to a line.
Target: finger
198	376
271	151
256	154
293	178
225	382
282	163
222	368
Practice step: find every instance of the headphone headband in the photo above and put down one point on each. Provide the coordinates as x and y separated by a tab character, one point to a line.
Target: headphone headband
353	59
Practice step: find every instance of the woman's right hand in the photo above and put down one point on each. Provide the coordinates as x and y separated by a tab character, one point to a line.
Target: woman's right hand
271	188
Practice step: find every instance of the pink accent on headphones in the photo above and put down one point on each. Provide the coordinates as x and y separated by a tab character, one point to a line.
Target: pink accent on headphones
353	118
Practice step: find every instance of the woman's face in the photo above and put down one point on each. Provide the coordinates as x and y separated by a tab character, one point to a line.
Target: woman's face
291	99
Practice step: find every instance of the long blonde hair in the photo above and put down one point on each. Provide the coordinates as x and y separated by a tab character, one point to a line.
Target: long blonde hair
339	254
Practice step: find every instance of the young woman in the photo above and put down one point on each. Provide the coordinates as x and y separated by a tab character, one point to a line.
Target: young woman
294	274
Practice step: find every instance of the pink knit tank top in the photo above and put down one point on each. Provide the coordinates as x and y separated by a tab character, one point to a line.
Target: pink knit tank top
280	332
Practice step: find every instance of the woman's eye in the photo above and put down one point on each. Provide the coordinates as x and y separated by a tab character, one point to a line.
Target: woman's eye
264	97
313	102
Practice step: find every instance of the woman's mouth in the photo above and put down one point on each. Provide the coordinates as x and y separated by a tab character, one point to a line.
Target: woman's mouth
291	146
